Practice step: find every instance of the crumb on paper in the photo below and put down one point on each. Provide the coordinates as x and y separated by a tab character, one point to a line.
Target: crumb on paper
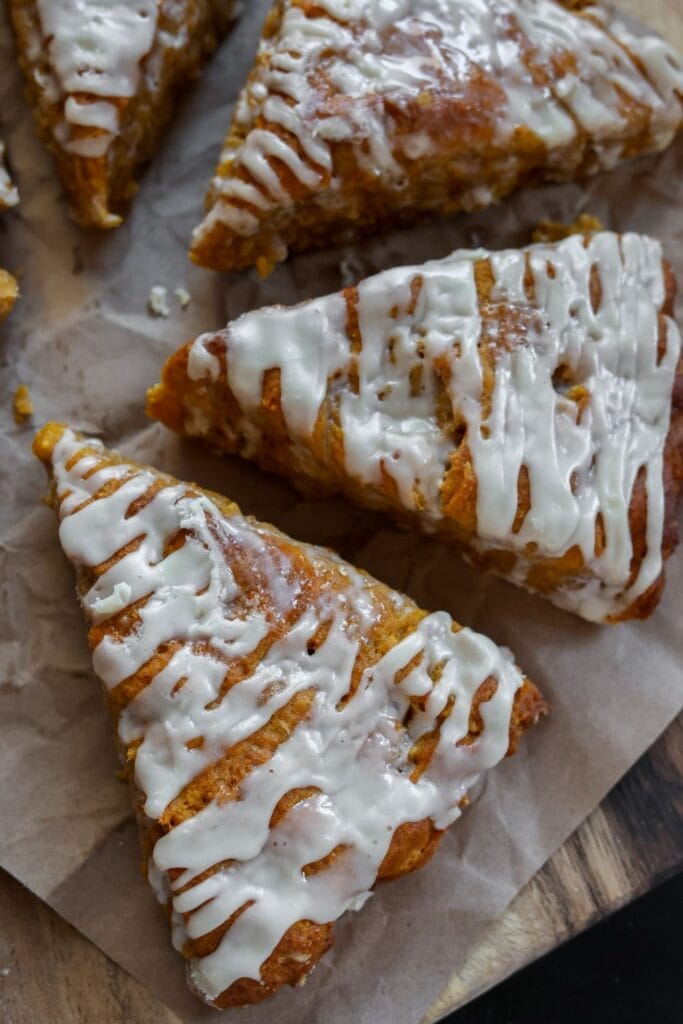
9	292
183	297
158	301
264	267
23	404
555	231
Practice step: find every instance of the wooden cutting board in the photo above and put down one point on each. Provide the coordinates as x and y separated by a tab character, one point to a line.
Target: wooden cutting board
629	844
632	841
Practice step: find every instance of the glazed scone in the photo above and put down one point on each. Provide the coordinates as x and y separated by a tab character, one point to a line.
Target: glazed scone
524	405
365	114
103	81
8	192
293	730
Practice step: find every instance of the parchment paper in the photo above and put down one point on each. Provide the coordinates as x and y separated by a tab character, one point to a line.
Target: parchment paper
82	340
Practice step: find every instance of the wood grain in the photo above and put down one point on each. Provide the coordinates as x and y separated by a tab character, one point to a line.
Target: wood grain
629	844
50	972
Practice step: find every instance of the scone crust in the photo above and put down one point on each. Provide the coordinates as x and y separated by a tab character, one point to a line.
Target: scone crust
469	166
210	411
413	843
100	187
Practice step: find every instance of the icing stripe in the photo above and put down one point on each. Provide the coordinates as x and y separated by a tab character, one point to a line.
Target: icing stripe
580	400
95	50
346	73
351	750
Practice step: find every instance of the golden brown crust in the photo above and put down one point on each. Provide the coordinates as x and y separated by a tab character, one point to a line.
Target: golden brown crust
412	844
322	471
471	168
100	187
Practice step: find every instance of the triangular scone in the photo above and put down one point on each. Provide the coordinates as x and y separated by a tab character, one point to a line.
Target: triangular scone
516	404
8	193
364	114
293	729
103	80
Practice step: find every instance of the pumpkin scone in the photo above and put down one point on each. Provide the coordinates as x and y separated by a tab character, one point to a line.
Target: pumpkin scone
365	114
292	729
103	81
524	405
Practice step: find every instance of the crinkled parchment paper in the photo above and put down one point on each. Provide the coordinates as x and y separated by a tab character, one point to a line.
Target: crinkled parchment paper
83	341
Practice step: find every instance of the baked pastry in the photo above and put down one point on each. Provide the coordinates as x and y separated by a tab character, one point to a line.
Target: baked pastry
516	404
8	192
103	81
363	114
292	729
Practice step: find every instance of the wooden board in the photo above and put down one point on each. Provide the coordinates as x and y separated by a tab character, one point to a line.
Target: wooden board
632	841
629	844
50	972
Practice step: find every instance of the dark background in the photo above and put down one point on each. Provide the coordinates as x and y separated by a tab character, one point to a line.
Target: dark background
626	970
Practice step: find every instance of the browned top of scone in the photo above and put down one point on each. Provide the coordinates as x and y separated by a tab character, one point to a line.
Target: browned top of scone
311	574
367	121
97	165
207	407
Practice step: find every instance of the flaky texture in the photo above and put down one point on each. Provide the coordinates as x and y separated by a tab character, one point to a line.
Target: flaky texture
99	186
360	116
422	361
312	575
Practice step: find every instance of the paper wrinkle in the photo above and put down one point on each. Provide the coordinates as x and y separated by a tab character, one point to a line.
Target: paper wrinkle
82	341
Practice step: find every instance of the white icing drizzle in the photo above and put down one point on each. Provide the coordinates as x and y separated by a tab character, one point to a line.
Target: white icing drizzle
376	52
8	193
353	753
580	466
95	50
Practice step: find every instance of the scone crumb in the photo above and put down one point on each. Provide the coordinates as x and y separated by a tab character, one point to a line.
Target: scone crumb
158	301
23	404
264	267
554	231
348	277
9	292
183	297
